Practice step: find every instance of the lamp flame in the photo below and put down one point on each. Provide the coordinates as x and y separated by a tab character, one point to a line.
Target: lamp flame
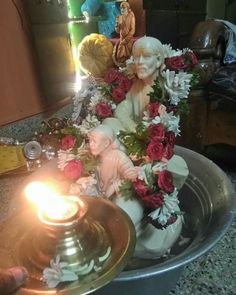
49	201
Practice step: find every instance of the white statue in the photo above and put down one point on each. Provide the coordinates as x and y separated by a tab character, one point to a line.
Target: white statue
148	58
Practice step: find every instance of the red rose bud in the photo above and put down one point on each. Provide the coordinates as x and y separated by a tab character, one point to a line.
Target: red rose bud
170	138
156	131
175	63
118	94
190	58
124	83
172	219
153	109
111	75
155	150
140	187
73	169
168	151
165	181
68	142
153	201
103	110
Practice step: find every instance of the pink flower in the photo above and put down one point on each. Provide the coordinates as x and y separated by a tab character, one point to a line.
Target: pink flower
155	150
73	169
111	75
175	63
156	131
153	109
165	181
140	187
68	142
118	94
153	200
103	110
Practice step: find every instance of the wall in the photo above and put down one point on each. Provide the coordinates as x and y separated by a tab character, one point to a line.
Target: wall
137	7
20	94
222	9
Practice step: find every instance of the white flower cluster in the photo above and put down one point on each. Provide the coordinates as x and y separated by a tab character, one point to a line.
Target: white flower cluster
163	213
88	89
169	51
169	120
85	186
64	157
177	85
59	272
90	122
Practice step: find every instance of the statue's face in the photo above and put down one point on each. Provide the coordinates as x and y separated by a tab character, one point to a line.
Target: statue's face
123	9
146	61
97	143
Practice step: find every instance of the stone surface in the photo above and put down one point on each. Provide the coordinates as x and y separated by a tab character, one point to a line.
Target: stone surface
215	272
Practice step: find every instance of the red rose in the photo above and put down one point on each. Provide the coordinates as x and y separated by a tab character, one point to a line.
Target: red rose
118	94
190	58
170	138
156	131
175	63
140	187
103	110
171	220
165	181
168	152
68	142
153	200
124	83
111	75
155	150
73	169
153	109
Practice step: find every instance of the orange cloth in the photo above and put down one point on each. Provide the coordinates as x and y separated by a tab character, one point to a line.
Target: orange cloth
125	26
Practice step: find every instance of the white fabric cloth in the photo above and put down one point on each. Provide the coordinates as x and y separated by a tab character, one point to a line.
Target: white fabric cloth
230	52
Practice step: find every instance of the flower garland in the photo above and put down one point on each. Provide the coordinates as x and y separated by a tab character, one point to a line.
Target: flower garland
100	98
152	143
151	146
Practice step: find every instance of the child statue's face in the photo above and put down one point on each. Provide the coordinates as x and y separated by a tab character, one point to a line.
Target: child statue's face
97	143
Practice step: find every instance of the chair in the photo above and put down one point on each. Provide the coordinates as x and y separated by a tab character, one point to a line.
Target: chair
212	117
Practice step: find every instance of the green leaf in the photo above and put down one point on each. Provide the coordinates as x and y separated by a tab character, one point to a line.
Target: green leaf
126	190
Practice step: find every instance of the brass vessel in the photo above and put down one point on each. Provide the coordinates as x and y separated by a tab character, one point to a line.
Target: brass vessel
32	242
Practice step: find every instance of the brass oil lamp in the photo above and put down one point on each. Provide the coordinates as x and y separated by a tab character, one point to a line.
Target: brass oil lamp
80	230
